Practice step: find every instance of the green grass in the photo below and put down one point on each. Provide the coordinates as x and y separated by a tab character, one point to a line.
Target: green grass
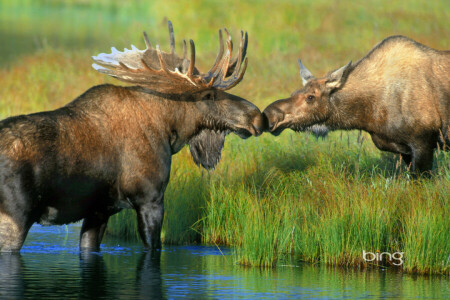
325	201
272	198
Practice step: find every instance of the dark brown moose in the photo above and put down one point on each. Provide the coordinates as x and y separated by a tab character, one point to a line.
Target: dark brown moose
111	147
399	93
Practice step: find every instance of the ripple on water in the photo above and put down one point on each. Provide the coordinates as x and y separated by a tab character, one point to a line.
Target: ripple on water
50	266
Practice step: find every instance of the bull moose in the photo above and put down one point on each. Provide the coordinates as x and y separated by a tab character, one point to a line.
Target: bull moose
111	147
399	93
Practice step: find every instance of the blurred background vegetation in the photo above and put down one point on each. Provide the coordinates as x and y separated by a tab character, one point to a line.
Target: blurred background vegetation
270	197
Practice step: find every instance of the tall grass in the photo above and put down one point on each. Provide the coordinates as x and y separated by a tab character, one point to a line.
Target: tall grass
322	203
271	198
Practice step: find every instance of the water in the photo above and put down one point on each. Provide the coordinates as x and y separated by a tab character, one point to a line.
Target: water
50	266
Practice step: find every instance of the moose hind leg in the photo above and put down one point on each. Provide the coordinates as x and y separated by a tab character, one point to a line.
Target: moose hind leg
92	231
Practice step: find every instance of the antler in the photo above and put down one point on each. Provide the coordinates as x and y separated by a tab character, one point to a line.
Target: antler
222	67
169	73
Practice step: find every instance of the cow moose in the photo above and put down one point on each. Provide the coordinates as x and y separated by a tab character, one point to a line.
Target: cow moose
399	93
111	147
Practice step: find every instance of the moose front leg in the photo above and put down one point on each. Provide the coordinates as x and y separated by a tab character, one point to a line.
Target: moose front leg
387	145
145	192
13	231
92	231
16	215
150	218
407	158
422	159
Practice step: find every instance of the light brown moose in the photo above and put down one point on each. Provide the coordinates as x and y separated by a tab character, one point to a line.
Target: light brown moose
399	93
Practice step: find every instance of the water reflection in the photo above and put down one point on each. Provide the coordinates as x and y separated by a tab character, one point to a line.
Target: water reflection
93	275
11	276
51	266
148	276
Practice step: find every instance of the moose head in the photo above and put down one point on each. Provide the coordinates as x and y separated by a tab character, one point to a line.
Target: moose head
206	113
308	108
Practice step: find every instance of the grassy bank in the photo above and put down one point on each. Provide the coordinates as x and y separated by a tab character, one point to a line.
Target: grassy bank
326	202
270	197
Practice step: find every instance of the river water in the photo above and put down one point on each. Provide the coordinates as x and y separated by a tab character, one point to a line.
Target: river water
50	266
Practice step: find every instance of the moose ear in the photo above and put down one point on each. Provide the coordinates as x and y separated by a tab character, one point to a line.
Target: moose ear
338	77
305	74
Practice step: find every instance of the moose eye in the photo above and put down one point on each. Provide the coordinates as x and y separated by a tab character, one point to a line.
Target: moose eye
310	98
208	96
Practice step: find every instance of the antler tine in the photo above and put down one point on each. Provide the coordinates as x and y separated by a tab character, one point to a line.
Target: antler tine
172	37
236	64
233	81
244	41
192	61
221	73
242	49
184	49
241	74
218	58
239	70
147	41
222	67
229	41
162	63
